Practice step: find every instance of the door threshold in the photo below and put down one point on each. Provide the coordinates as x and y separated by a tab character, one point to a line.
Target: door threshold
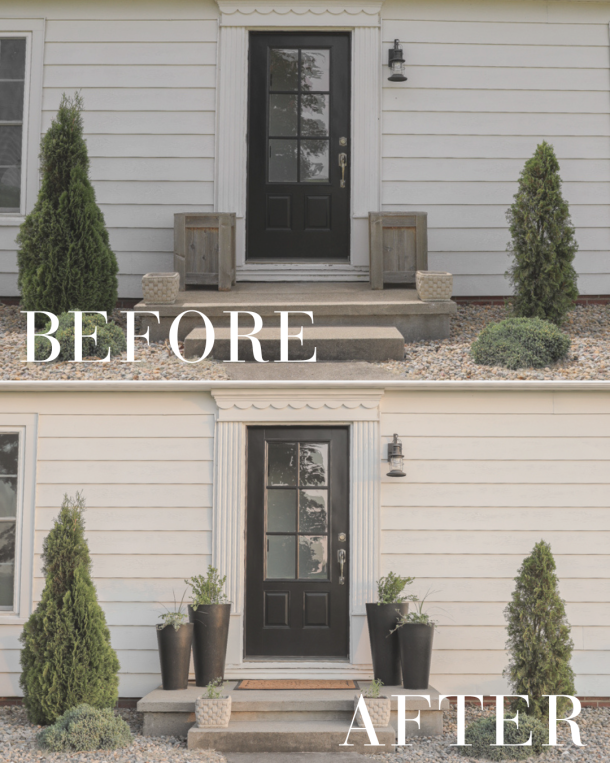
303	261
266	658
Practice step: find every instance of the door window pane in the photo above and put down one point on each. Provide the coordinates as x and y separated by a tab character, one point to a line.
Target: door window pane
9	453
313	556
315	69
12	75
281	557
314	114
313	463
283	114
8	496
281	511
12	58
7	585
313	511
314	161
11	101
283	69
282	463
282	161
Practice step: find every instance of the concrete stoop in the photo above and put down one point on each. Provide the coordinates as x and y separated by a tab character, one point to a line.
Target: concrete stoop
284	721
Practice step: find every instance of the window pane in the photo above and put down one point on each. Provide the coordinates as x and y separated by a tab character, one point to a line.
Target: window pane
9	453
8	496
7	584
282	463
314	161
281	511
12	58
284	69
315	68
10	195
11	101
313	466
314	114
313	511
281	556
313	557
282	115
10	145
282	161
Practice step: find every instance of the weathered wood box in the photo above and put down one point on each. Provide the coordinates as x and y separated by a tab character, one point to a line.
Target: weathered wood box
204	249
398	246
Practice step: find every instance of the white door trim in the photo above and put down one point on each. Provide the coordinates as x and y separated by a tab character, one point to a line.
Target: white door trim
236	410
362	19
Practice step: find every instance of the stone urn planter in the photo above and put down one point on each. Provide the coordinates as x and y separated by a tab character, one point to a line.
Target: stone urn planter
212	712
434	285
379	711
160	288
175	655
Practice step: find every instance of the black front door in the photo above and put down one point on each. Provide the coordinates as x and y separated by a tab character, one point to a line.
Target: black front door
299	147
297	533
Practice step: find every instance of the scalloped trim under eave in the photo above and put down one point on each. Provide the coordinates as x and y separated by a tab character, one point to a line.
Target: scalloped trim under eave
283	11
295	404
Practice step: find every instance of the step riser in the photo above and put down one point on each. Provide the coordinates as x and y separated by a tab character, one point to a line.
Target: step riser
290	716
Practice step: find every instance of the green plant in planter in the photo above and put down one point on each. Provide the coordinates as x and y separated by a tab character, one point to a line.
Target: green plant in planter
214	689
419	616
208	589
373	690
481	734
390	588
174	616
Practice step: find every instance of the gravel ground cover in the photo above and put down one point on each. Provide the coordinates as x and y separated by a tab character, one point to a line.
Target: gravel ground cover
594	726
588	326
18	745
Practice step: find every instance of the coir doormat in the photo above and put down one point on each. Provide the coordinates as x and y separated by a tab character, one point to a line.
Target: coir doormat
295	685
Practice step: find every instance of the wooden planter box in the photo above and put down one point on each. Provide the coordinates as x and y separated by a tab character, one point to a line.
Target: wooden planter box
204	249
398	246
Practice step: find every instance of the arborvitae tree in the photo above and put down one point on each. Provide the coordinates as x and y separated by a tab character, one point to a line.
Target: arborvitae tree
65	261
543	242
66	658
539	640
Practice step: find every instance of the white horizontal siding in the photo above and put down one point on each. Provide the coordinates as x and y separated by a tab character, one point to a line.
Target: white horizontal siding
488	476
486	83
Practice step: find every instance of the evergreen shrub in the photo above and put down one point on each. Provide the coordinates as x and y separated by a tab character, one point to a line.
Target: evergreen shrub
85	728
64	258
481	734
109	337
66	659
520	343
543	242
539	642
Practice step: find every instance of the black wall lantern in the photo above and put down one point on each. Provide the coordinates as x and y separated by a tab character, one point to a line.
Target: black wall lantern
396	62
395	458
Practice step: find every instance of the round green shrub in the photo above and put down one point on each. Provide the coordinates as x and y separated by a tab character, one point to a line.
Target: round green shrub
520	343
481	734
109	336
85	728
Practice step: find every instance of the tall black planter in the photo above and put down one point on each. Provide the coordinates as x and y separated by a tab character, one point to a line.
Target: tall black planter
175	655
382	619
416	654
211	623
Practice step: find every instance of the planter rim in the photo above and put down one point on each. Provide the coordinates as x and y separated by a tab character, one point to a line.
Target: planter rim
385	603
382	696
224	604
168	625
213	699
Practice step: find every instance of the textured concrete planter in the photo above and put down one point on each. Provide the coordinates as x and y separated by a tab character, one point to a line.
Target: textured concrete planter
434	285
379	711
160	288
212	712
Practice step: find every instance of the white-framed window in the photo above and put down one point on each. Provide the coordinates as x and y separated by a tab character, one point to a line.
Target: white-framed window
17	490
21	54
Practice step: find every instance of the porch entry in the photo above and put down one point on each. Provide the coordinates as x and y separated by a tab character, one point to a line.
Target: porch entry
298	199
297	544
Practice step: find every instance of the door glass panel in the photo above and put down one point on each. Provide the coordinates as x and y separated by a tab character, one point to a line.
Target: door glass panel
315	70
9	452
281	557
11	101
283	69
282	511
10	152
12	58
313	556
313	463
282	458
282	161
7	583
8	496
314	161
283	114
313	511
314	114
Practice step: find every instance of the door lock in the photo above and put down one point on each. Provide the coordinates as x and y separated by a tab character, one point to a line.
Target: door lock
341	557
343	165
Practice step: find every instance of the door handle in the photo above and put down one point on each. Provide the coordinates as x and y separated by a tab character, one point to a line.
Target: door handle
341	557
343	165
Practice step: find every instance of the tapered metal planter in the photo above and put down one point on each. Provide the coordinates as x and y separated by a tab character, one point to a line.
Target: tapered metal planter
382	619
211	623
175	655
416	654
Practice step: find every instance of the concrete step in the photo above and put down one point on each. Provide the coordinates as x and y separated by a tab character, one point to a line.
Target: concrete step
286	736
371	343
